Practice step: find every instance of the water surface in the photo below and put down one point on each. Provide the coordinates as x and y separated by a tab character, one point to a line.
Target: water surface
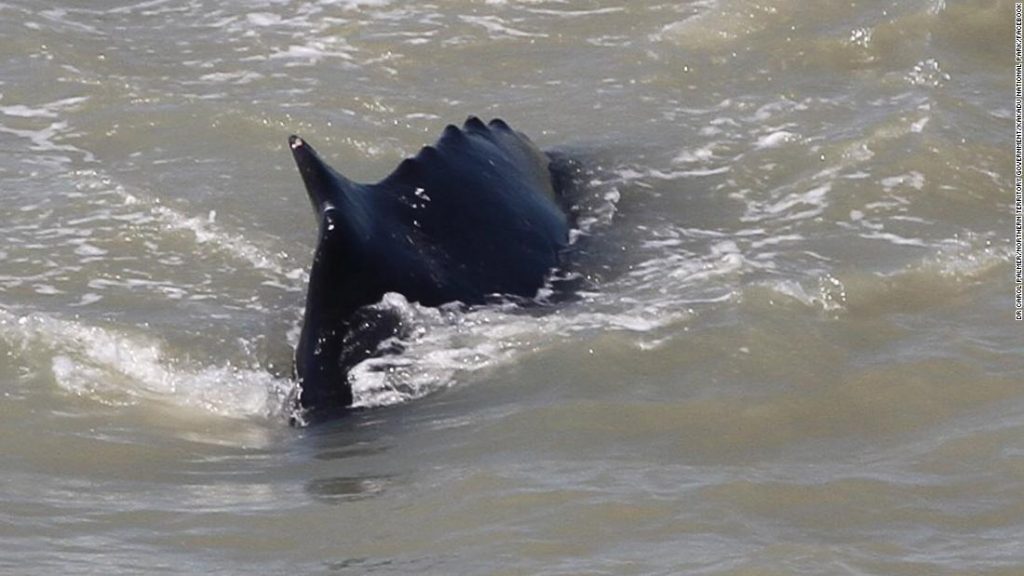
793	352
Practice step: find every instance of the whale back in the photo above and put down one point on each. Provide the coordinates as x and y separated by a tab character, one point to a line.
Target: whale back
474	215
481	214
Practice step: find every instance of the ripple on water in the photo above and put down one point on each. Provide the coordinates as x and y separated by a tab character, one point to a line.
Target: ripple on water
124	369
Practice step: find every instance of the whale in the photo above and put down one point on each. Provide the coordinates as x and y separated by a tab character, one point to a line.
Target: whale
482	214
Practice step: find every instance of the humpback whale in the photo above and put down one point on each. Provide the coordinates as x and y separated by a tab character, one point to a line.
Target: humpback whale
479	214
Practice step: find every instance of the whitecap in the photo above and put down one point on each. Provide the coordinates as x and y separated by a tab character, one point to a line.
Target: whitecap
121	368
775	139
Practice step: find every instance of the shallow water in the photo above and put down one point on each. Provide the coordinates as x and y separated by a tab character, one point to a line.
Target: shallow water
793	351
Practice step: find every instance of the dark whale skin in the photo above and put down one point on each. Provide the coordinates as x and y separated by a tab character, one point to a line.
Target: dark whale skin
475	215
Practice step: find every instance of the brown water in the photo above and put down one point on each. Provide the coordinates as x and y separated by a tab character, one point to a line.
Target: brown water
794	353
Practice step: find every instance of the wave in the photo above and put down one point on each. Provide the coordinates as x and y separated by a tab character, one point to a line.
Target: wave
122	368
940	279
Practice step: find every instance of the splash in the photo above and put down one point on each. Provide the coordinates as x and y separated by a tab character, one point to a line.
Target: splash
122	369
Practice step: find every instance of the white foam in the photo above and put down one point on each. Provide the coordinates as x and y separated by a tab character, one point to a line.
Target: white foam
237	77
263	18
894	239
49	110
27	112
86	249
206	231
497	29
813	202
676	174
775	139
313	52
928	73
913	179
448	344
829	294
703	154
47	290
44	139
128	369
970	257
776	239
575	13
